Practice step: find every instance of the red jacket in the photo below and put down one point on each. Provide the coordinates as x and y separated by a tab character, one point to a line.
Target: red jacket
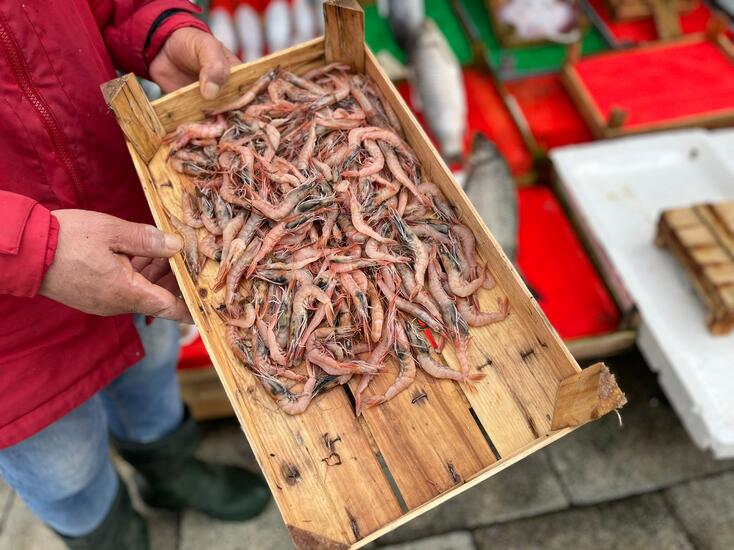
60	147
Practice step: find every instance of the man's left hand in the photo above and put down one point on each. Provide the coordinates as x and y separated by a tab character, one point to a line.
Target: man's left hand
190	54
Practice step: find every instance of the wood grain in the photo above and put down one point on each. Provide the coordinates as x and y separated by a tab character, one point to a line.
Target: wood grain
136	117
344	23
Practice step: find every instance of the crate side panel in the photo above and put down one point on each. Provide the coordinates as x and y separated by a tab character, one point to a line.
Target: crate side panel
338	502
187	105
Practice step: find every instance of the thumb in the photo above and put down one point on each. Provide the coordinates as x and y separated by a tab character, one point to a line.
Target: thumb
214	63
150	299
139	239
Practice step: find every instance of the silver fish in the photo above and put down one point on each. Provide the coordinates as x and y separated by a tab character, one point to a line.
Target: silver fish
438	81
406	18
491	188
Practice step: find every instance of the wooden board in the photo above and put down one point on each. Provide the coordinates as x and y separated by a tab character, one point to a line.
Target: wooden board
626	10
341	481
702	239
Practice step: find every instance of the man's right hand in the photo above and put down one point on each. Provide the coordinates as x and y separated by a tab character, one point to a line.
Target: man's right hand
108	266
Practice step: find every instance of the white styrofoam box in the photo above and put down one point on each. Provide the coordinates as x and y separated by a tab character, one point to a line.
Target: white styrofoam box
619	188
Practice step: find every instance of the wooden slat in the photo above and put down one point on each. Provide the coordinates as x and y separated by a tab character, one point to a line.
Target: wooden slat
319	501
427	436
586	396
344	23
187	105
523	357
139	122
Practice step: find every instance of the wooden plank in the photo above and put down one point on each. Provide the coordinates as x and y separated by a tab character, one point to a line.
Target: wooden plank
584	102
492	470
139	122
344	24
523	357
427	436
187	105
320	502
586	396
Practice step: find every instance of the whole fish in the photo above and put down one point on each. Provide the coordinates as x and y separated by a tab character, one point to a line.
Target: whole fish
553	20
491	188
438	81
406	18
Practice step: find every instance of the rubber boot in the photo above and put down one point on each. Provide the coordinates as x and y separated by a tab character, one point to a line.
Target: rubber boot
170	477
122	529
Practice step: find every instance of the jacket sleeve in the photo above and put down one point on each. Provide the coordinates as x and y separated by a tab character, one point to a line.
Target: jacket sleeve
135	30
28	237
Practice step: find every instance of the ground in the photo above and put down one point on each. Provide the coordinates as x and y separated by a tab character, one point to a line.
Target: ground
641	484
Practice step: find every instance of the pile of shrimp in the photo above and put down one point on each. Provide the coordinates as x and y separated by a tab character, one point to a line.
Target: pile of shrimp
334	253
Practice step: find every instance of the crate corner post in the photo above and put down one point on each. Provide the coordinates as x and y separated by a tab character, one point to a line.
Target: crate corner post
585	396
344	34
135	114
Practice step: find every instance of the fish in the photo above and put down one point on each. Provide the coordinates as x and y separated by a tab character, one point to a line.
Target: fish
439	85
492	189
278	26
249	32
406	18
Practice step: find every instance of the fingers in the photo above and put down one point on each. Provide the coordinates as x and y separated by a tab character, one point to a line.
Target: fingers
149	299
170	283
154	270
214	62
139	239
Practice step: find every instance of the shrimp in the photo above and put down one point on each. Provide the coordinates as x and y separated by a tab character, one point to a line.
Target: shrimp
377	315
468	247
421	297
359	299
420	254
201	130
455	323
230	232
208	217
287	205
362	226
250	227
398	173
267	334
307	151
190	249
430	231
341	90
249	96
238	268
374	166
304	83
210	248
476	318
190	211
443	208
406	369
457	285
372	250
288	402
425	360
299	316
320	355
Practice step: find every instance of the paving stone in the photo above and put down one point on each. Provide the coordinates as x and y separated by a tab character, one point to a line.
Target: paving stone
526	489
705	507
23	531
458	540
603	461
266	532
636	523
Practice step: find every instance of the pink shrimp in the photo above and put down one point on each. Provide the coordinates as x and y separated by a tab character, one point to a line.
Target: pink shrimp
307	151
187	132
189	210
230	232
209	246
267	334
190	249
406	369
476	318
250	95
377	314
362	226
374	166
372	250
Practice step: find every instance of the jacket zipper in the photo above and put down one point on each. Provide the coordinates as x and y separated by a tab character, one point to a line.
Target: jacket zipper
58	140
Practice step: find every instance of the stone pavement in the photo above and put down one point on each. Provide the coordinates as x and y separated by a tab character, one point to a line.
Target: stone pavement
643	485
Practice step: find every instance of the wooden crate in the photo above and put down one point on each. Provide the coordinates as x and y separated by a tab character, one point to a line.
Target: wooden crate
702	239
614	123
626	10
342	481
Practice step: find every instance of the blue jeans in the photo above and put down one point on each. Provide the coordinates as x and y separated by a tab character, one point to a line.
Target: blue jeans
64	472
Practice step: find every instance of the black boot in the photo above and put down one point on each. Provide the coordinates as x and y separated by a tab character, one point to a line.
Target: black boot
122	529
170	477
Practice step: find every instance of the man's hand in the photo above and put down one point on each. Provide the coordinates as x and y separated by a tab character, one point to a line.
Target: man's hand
190	54
107	266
